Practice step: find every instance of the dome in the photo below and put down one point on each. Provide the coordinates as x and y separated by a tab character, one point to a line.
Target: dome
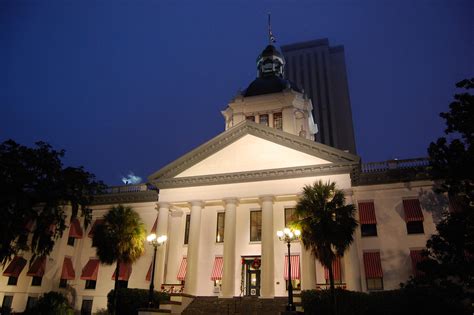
269	84
270	50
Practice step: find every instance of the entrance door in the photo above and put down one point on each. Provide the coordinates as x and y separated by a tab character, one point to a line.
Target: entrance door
253	282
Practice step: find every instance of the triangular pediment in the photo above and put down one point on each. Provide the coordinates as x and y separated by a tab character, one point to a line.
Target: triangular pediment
250	148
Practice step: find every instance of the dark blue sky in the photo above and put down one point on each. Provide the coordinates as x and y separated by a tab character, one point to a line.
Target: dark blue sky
132	85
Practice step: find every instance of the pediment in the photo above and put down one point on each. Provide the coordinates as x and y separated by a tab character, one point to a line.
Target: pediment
250	148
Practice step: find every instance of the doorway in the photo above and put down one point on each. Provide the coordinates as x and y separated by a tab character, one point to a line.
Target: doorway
251	269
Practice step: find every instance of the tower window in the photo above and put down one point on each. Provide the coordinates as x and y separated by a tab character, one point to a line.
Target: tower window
263	119
278	121
251	118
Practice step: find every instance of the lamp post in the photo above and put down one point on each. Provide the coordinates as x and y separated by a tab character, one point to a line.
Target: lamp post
155	242
287	236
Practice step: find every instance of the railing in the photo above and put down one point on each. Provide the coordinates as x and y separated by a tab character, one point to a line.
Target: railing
129	188
373	167
325	286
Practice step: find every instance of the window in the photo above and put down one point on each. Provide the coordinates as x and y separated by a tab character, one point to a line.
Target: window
7	301
186	229
63	283
220	227
31	302
12	280
36	281
295	283
86	308
290	216
251	118
415	227
278	121
256	226
90	284
70	241
263	119
368	229
374	284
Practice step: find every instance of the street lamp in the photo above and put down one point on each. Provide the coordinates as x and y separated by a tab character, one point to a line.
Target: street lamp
155	241
287	236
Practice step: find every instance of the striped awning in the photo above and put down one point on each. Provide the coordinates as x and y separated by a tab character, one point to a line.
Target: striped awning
38	267
90	270
295	267
153	229
373	265
367	213
68	272
416	257
336	270
412	210
125	272
75	229
94	226
15	267
217	269
148	274
182	270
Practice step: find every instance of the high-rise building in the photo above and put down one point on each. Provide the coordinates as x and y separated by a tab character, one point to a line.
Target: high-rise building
320	70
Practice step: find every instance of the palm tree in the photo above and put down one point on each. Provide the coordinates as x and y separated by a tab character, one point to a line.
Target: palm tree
327	225
120	239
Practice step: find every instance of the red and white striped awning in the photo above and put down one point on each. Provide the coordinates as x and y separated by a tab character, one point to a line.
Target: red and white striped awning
367	213
416	257
217	269
75	229
38	267
412	210
125	272
372	265
182	270
336	270
94	226
90	270
295	267
15	267
68	272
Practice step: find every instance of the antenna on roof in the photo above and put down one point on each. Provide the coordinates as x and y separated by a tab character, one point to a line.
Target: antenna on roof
271	38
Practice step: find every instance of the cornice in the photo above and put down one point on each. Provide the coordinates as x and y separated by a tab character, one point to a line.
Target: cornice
130	197
260	175
231	135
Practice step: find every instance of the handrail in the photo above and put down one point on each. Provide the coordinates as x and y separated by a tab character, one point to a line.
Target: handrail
373	167
128	188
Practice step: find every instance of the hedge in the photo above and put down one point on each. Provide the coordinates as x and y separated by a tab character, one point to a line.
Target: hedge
130	300
406	301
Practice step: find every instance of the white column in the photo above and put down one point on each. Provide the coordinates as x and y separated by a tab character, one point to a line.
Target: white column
191	283
267	284
228	273
161	229
351	257
308	269
174	244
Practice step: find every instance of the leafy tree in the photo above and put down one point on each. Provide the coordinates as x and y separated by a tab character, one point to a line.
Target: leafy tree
120	239
327	224
51	303
35	190
450	253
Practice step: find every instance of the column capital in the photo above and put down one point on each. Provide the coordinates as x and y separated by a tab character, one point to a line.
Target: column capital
176	212
196	203
162	205
231	200
264	198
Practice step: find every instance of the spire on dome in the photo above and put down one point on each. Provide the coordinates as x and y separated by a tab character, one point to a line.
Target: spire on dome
271	38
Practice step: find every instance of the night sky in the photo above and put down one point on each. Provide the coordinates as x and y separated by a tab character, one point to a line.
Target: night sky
132	85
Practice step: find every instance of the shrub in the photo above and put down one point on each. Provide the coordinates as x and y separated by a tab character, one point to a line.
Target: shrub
130	300
405	301
51	303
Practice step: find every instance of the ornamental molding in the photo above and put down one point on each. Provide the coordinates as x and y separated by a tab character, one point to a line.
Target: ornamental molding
260	175
164	176
129	197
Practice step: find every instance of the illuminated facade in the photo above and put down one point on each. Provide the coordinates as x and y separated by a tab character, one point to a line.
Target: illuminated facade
221	204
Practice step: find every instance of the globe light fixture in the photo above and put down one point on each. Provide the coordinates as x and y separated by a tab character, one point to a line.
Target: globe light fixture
287	236
155	241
